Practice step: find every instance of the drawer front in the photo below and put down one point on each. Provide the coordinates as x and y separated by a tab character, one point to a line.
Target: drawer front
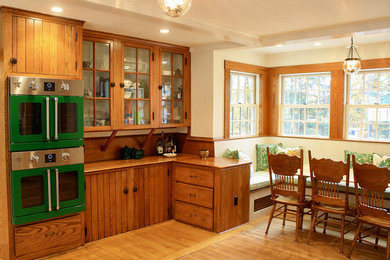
194	176
51	234
195	215
194	194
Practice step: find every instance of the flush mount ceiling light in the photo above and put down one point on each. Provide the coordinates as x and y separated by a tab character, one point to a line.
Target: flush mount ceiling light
164	31
352	64
57	9
174	8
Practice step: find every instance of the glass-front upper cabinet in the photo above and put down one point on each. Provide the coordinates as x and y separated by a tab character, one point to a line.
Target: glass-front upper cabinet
97	73
136	86
173	90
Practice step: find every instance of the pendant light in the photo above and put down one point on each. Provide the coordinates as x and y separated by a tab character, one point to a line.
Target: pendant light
174	8
352	64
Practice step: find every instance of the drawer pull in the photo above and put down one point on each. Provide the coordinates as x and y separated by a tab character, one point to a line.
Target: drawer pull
192	194
194	176
192	214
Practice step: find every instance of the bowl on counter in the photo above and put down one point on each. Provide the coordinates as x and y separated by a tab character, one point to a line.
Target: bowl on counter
170	155
203	153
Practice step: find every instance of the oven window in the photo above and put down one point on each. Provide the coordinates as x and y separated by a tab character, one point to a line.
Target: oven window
69	185
30	118
67	117
32	191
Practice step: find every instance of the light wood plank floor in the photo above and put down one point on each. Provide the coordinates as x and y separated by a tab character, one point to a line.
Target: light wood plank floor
174	240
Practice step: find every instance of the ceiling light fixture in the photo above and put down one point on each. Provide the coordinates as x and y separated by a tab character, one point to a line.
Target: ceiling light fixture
318	44
164	31
174	8
57	9
278	45
352	64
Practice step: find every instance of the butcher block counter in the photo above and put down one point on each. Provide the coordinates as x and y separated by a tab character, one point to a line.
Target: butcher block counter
122	195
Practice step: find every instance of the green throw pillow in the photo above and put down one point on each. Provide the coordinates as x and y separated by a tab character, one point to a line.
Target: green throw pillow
261	155
231	154
381	160
359	157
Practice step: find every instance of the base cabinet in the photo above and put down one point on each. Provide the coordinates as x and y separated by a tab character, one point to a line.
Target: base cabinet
48	237
126	199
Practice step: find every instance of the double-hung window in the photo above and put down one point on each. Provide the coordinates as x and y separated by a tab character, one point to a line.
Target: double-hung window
368	106
305	105
244	105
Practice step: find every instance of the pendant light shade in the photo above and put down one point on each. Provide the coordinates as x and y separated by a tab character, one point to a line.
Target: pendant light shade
352	63
174	8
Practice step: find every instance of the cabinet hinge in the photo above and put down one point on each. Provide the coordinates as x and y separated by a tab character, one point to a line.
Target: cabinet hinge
85	231
169	211
168	172
76	36
76	64
185	61
152	55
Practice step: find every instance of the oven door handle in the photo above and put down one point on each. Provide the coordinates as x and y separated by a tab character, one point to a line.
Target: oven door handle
48	189
56	118
47	118
57	189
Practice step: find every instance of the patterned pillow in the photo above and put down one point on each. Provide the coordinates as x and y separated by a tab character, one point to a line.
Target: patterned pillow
261	155
290	151
381	160
359	157
231	154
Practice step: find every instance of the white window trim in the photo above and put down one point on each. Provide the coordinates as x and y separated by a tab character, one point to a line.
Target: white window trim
282	106
363	106
256	105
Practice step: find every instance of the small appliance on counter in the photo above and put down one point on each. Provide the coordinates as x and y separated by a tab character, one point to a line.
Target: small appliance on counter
47	184
45	113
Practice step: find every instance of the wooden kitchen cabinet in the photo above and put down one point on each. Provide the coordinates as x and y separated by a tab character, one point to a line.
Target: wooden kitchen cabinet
43	45
123	200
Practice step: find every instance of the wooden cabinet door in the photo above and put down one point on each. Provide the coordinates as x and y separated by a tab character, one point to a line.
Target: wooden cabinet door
109	204
45	47
152	194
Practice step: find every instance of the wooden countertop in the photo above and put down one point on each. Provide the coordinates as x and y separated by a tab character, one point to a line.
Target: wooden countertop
215	162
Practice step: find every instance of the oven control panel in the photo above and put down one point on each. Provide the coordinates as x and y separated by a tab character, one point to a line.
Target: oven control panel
46	158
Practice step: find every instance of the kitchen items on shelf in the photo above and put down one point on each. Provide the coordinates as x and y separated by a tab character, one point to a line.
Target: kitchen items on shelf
131	153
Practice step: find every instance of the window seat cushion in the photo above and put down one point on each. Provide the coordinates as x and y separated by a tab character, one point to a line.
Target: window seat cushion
259	180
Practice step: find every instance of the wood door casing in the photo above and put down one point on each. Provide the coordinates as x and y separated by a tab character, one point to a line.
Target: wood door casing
152	195
109	204
46	47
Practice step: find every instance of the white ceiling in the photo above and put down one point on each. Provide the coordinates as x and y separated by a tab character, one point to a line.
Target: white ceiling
259	24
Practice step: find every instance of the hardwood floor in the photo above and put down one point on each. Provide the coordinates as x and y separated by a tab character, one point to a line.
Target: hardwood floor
174	240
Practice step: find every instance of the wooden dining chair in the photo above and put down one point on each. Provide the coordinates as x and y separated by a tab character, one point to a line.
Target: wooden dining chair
287	188
326	176
370	185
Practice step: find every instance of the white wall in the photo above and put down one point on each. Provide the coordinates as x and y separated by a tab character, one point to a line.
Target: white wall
338	54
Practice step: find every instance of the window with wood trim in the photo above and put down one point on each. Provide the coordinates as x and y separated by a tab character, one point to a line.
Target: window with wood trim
244	104
367	110
305	105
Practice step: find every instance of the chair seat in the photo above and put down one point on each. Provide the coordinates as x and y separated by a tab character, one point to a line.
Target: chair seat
381	222
336	209
292	200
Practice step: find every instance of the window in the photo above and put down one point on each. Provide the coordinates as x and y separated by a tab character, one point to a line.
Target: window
368	106
244	104
305	105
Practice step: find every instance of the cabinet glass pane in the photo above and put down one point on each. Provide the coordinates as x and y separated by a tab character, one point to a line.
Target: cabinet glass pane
102	56
143	86
102	112
178	65
166	88
177	88
88	83
88	112
177	112
32	188
143	61
69	185
166	112
130	112
30	118
67	118
87	54
130	59
130	86
166	64
102	81
143	112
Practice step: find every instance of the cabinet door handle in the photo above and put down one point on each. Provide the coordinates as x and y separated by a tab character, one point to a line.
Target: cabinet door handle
152	115
56	118
126	190
47	118
135	189
57	189
160	87
48	189
122	85
112	84
13	60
